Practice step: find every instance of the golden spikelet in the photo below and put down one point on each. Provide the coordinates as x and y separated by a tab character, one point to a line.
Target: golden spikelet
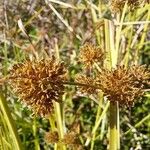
90	54
71	139
117	5
51	137
123	85
38	83
89	83
141	75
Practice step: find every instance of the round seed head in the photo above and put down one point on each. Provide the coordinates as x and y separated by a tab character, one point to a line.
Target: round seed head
51	137
123	85
88	82
90	54
38	83
117	5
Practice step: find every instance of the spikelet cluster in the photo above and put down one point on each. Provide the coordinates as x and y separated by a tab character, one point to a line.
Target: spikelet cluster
117	5
89	54
141	75
89	83
51	137
70	139
123	85
38	83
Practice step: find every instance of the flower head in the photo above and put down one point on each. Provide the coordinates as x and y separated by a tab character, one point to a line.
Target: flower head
38	83
90	54
89	83
141	75
117	5
51	137
123	85
71	139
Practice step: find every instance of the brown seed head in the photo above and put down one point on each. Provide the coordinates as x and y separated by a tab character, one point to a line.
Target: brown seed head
71	139
90	54
141	75
89	81
117	5
133	4
123	85
51	137
39	83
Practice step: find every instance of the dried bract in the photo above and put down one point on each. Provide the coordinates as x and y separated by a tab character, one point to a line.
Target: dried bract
51	137
38	83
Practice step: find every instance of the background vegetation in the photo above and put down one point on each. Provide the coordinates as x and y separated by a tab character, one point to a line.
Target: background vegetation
60	28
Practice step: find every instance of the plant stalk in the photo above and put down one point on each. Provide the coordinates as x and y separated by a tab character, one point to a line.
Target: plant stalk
113	141
10	122
59	124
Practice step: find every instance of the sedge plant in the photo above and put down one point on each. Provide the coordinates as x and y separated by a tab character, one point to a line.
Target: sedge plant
107	74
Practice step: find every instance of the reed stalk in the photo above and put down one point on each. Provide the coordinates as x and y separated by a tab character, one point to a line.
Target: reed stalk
113	127
10	122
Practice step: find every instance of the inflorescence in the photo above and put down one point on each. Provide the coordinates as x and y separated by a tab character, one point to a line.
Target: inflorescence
117	5
89	54
122	85
38	83
70	139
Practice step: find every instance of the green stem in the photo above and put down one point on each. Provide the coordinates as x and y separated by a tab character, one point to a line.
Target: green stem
79	84
36	141
113	141
99	110
59	124
53	128
98	122
10	122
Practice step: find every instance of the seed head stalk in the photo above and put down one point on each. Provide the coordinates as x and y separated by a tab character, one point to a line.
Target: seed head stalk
113	138
59	110
114	142
114	108
59	122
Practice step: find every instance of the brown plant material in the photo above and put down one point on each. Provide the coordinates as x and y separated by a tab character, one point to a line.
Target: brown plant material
141	75
38	83
72	140
90	54
89	83
117	5
51	137
123	85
